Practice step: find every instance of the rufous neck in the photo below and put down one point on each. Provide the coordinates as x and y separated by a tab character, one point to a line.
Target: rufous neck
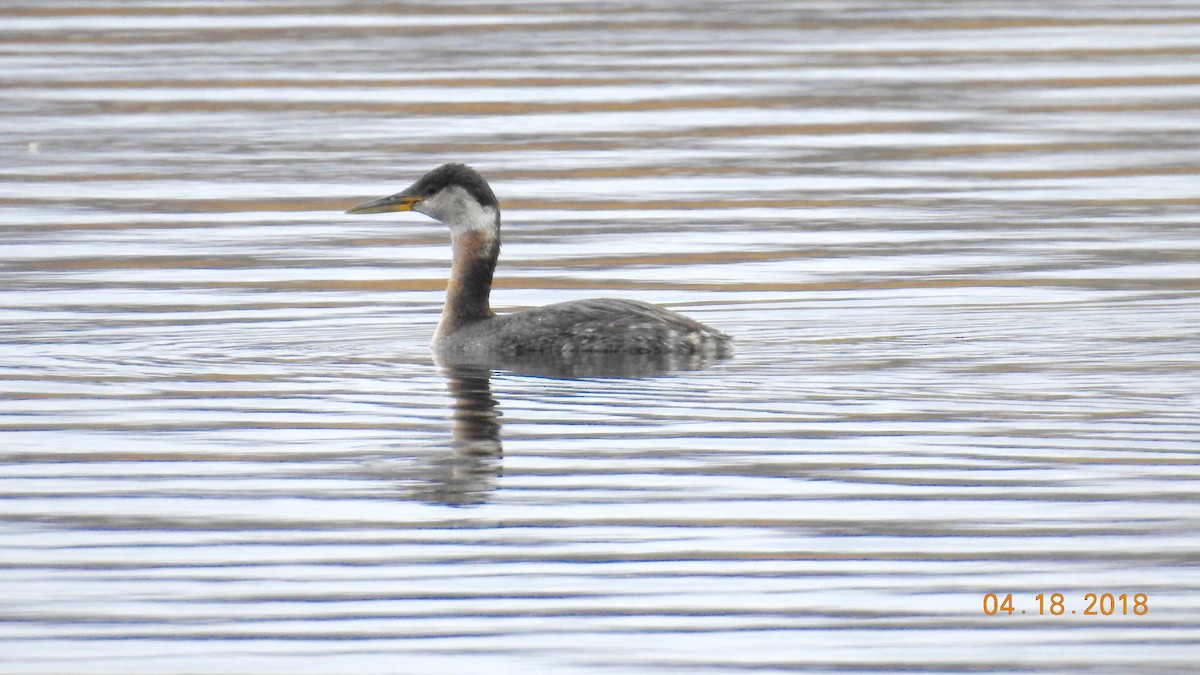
470	287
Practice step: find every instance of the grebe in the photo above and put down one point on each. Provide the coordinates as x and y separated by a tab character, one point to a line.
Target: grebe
458	196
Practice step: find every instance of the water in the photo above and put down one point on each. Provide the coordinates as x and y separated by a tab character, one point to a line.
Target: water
956	245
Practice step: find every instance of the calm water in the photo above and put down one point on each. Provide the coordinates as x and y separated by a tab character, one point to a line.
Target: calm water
957	245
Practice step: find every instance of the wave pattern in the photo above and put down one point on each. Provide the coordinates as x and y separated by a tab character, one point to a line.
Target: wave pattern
956	244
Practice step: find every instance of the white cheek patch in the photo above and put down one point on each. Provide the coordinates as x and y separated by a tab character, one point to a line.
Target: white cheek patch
456	207
480	219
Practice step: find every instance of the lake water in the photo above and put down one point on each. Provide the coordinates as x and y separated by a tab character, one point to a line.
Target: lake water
956	244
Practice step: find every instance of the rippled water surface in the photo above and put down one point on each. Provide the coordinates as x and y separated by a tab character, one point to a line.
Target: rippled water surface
956	243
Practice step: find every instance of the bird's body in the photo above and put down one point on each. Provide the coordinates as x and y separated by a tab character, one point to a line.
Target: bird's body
606	325
459	197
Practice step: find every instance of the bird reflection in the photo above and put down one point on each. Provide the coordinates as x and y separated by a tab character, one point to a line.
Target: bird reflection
470	471
468	474
582	364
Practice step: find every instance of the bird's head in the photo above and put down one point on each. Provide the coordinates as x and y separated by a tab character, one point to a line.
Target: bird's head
454	194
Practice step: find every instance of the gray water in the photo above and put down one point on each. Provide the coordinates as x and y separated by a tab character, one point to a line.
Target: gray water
956	244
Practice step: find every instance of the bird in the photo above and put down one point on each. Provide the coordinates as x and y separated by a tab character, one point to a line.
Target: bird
461	198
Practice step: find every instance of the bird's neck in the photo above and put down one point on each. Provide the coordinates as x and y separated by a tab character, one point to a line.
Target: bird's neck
475	253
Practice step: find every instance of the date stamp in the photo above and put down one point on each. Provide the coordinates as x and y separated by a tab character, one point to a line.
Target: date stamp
1057	604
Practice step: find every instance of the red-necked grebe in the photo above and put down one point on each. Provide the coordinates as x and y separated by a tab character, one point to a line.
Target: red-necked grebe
458	196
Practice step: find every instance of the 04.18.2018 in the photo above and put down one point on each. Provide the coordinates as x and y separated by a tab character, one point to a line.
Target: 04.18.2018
1055	604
